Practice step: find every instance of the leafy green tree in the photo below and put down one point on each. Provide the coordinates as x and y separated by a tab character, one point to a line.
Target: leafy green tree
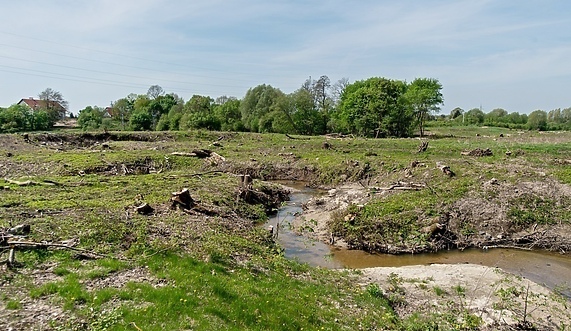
537	120
198	114
163	124
90	118
258	102
122	110
41	120
474	116
140	120
15	118
374	107
306	118
424	97
456	112
227	112
516	118
496	116
54	104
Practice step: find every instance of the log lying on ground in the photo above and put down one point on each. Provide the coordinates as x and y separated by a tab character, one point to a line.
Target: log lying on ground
31	182
402	186
201	154
296	138
478	152
445	169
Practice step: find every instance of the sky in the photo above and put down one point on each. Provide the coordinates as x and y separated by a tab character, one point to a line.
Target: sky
510	54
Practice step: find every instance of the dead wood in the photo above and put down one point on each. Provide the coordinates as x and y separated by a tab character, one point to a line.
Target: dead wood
16	245
478	152
404	186
445	169
144	209
18	230
182	200
423	146
30	182
294	138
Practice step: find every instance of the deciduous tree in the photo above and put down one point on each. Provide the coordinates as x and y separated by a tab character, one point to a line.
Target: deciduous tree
424	97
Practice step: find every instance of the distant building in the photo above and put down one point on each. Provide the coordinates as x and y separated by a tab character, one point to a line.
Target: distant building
37	104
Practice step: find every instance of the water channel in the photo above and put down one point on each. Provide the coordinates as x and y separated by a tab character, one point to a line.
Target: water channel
550	269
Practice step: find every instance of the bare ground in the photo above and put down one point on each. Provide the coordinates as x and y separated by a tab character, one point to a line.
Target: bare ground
503	301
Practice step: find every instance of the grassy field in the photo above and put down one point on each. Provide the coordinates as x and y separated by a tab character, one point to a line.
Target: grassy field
213	267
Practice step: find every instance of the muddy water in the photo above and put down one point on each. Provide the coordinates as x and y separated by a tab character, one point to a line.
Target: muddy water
550	269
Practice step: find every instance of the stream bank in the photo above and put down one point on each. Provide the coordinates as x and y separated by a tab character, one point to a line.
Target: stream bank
302	234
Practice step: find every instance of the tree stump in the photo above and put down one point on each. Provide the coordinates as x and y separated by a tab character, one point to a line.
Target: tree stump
144	209
182	199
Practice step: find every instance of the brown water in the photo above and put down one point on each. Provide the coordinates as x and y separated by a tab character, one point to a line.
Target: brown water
550	269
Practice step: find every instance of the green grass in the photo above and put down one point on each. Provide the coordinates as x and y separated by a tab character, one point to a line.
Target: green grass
220	271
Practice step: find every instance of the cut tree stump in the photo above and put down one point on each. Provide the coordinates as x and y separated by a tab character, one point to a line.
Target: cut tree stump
445	169
182	200
144	209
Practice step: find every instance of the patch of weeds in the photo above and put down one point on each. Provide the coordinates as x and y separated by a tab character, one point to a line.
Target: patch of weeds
105	267
530	209
61	271
460	290
69	289
374	290
13	304
439	291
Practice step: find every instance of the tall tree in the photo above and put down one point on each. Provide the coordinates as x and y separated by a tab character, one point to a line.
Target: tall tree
53	103
155	91
374	107
122	110
257	103
424	97
537	120
456	112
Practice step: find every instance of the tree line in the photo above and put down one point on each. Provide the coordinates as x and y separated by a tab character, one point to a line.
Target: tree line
375	107
556	119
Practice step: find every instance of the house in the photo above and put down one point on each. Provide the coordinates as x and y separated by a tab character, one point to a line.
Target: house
108	112
36	104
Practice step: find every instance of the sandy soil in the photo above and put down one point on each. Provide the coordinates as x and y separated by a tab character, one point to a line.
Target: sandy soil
496	297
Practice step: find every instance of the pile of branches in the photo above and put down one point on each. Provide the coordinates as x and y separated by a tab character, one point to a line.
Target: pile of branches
15	238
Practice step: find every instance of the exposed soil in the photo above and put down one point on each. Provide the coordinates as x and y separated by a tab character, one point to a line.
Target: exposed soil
470	222
498	298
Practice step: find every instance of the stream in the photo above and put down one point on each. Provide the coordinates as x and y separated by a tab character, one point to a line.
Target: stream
549	269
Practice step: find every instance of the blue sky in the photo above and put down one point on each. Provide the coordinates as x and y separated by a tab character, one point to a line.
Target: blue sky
510	54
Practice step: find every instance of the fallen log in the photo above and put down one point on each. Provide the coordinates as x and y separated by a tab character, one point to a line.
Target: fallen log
294	138
30	182
403	186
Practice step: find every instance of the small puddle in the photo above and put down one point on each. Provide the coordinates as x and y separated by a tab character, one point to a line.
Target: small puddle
550	269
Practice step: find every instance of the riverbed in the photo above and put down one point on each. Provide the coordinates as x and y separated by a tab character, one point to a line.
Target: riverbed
546	268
